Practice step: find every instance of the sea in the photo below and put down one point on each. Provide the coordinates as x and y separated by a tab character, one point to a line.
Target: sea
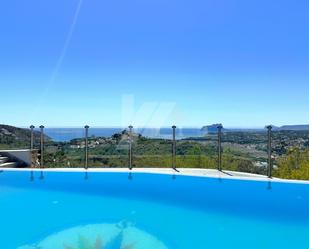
67	134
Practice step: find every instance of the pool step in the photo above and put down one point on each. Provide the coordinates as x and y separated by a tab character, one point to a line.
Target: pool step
5	162
3	159
8	165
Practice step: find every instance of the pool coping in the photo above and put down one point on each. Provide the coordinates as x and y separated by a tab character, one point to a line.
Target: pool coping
209	173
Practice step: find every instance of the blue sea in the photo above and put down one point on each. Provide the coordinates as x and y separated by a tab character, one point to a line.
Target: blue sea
67	134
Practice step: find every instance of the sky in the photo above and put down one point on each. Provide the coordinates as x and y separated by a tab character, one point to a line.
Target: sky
154	62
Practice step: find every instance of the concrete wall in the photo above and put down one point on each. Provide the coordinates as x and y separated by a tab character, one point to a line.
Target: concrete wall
22	157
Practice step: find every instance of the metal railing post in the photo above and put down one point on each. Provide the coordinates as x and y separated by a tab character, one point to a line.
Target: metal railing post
219	147
31	137
269	150
174	148
130	147
86	146
42	146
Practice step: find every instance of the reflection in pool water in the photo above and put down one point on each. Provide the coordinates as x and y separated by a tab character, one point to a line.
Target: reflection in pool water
99	236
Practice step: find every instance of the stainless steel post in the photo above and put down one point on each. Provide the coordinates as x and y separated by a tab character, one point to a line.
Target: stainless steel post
31	137
219	147
269	150
42	146
86	146
174	148
130	147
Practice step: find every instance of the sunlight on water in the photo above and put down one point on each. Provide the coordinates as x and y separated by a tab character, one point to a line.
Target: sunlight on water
99	236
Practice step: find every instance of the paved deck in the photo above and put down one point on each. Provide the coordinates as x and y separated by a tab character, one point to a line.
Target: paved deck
213	173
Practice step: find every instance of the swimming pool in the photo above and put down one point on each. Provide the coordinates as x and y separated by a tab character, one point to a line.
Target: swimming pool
79	210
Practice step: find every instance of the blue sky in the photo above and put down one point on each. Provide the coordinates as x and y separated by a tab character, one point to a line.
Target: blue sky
195	62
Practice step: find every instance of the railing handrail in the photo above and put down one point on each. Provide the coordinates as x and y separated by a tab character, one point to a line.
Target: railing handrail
174	154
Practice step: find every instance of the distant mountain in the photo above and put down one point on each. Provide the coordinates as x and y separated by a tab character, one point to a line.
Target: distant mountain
212	128
14	135
294	128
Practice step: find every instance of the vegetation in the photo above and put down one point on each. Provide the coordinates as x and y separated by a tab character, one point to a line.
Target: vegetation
294	165
242	151
17	138
113	152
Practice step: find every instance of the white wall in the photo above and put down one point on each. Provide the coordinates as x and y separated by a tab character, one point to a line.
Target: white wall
22	155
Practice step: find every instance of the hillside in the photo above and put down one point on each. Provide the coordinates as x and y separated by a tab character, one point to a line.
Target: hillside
213	128
294	128
12	137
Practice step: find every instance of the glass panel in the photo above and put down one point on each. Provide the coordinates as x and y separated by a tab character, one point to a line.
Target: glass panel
244	150
108	147
64	147
291	154
154	148
196	152
151	148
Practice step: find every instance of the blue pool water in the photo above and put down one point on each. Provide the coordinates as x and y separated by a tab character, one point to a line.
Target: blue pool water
53	210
